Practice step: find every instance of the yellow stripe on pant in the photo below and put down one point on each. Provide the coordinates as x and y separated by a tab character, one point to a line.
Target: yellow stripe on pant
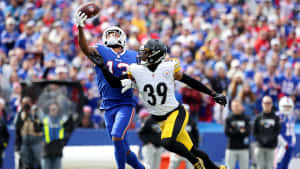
167	127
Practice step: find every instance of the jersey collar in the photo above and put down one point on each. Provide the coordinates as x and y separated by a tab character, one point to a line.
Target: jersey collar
118	54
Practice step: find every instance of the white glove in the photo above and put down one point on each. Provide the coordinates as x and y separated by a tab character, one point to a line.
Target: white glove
80	18
126	85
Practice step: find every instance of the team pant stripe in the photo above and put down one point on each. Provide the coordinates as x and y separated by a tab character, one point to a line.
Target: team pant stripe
183	136
167	126
178	125
131	118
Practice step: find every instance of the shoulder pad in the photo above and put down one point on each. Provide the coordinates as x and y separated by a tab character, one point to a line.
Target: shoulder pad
132	67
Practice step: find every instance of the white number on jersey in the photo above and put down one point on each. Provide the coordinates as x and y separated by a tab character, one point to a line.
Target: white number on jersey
119	65
289	129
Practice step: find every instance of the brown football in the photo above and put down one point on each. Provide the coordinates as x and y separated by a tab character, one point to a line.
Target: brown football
90	9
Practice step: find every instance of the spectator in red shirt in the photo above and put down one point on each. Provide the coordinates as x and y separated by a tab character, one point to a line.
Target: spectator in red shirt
48	18
291	40
261	41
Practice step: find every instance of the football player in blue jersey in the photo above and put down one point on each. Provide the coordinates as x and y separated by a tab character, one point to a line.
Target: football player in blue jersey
119	108
287	137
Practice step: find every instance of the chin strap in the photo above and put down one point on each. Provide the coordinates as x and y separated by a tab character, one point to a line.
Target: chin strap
115	46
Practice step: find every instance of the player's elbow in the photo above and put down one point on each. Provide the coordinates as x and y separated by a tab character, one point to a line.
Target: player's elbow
115	84
178	76
84	49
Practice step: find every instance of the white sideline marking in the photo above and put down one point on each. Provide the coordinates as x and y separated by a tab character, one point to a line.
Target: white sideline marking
91	157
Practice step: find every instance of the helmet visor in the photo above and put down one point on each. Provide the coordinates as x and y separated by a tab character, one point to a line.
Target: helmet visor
113	34
113	38
287	108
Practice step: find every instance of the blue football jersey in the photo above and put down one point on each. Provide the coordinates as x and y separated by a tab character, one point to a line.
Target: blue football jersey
288	85
287	129
117	63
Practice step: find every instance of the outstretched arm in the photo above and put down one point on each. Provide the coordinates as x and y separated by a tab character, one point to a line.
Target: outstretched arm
90	52
83	44
123	81
114	82
195	84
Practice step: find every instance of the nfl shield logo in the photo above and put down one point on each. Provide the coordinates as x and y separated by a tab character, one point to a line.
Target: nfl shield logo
166	73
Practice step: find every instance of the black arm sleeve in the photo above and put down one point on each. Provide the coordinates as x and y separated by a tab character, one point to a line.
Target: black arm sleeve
114	82
97	59
195	84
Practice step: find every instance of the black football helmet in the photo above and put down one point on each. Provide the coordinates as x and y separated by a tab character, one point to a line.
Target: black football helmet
152	52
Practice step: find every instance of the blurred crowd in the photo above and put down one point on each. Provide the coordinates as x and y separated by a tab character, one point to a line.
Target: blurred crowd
243	48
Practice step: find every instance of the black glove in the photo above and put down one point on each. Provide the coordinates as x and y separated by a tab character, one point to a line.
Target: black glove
219	98
97	59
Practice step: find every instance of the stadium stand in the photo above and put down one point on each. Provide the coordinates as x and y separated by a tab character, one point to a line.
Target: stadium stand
251	47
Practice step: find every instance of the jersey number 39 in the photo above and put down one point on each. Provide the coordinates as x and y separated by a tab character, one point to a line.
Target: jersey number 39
161	90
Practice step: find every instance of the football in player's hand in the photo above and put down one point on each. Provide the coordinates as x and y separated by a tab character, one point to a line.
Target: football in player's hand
90	9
